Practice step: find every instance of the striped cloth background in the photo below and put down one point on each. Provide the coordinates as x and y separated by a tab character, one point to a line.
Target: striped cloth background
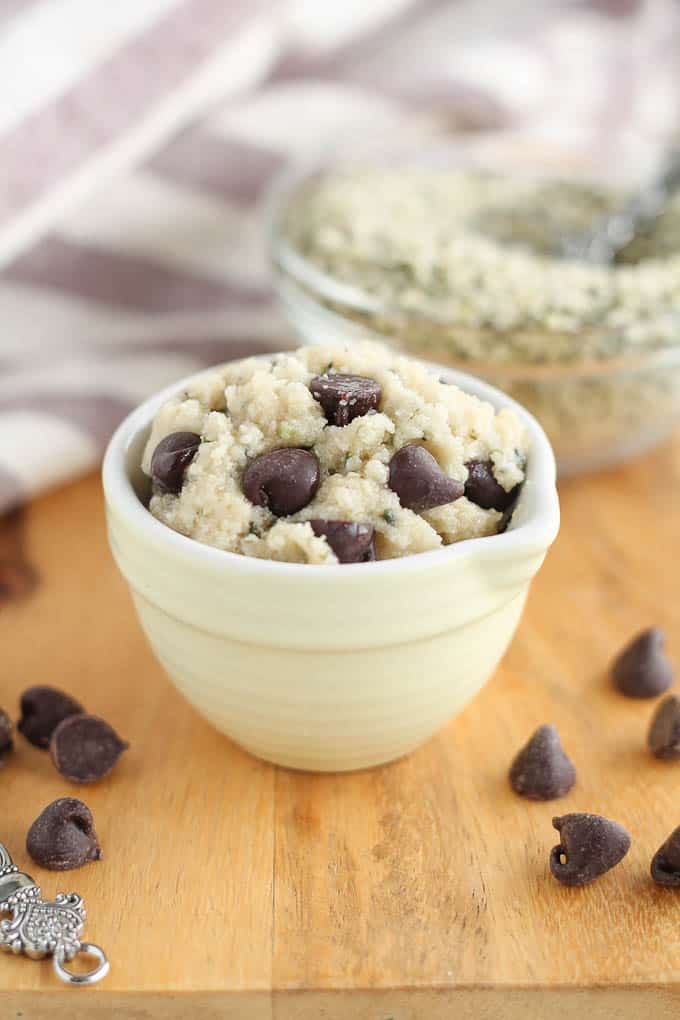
137	140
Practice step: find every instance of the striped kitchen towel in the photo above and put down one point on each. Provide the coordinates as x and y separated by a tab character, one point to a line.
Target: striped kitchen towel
138	138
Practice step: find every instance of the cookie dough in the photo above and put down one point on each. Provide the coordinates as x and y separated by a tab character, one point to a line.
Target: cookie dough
332	454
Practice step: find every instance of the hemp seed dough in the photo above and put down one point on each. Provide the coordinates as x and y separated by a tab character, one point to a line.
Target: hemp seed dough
479	254
332	454
465	267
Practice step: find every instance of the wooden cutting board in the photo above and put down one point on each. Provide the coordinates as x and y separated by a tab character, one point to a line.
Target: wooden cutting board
237	891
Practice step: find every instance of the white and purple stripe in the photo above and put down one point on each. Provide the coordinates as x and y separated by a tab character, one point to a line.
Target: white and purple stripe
137	141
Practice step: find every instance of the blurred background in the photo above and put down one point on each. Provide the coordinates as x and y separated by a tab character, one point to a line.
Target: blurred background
140	140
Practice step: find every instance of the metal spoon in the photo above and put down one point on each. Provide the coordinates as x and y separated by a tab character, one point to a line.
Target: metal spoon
612	233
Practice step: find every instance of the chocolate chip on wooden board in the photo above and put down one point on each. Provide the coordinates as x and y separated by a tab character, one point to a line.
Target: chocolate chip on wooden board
85	749
17	580
642	669
345	397
482	488
590	845
418	480
666	861
351	542
42	709
63	836
18	577
284	481
6	742
663	739
171	458
541	770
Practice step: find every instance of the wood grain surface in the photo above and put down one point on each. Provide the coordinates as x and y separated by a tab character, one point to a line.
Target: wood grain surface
232	889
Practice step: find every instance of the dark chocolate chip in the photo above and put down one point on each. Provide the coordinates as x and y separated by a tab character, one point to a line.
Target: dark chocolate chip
171	458
506	519
85	748
17	581
541	770
642	670
18	577
351	542
6	742
63	836
483	489
42	709
418	480
283	480
345	397
663	738
666	861
589	846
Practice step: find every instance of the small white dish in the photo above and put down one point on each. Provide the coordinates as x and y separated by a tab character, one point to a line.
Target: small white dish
327	668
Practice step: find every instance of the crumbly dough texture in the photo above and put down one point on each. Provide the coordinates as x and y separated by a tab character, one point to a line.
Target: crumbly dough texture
250	407
473	262
482	253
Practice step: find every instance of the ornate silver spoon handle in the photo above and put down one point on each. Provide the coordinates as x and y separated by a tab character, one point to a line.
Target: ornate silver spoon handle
40	928
612	233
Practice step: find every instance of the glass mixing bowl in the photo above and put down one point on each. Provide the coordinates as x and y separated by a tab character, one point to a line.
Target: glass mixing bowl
601	394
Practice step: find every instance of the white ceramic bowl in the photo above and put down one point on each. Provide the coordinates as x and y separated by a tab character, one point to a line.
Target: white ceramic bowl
327	668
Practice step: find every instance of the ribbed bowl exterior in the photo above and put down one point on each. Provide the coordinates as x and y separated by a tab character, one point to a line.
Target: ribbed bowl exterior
330	710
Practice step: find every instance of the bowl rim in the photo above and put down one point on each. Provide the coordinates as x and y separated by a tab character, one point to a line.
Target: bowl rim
538	499
289	263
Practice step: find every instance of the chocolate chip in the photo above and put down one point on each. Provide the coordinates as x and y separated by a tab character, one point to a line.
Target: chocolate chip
663	738
541	770
351	543
18	577
17	581
345	397
171	458
482	488
506	519
642	670
589	846
283	480
418	480
63	836
6	742
85	748
42	709
666	861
